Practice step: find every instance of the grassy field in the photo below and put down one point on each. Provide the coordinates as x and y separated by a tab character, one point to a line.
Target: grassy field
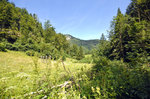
22	76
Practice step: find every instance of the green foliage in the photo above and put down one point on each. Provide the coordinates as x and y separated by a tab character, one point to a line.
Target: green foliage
117	80
61	43
10	35
139	9
86	59
76	52
129	41
3	47
63	58
129	36
100	62
87	45
47	49
126	74
49	33
30	53
24	32
80	54
102	49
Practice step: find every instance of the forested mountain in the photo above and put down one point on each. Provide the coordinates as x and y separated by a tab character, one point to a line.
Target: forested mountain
87	44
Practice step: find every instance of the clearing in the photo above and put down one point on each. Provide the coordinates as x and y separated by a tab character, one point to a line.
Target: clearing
21	74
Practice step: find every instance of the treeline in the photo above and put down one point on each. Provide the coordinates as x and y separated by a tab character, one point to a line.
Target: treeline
129	37
22	31
122	62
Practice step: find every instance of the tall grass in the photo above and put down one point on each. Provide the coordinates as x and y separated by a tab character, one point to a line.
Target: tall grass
28	77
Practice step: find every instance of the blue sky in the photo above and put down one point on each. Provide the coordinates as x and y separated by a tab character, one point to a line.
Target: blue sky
84	19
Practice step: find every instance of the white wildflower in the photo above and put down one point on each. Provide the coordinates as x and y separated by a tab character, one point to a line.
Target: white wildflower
23	75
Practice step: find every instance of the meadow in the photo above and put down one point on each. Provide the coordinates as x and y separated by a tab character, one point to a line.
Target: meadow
118	67
30	77
23	76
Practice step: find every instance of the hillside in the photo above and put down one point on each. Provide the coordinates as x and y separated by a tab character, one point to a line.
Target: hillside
88	44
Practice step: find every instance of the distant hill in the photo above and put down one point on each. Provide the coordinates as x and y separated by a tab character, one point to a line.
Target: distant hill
88	44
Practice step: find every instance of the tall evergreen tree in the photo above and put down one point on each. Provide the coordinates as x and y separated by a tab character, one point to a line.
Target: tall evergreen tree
117	39
49	32
80	54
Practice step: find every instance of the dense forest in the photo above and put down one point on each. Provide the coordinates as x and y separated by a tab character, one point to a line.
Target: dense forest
129	37
122	60
121	63
22	31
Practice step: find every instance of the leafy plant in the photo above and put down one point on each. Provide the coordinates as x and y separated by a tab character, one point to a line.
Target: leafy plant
3	47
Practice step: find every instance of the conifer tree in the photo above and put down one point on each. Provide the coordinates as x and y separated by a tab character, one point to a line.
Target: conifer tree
80	54
117	38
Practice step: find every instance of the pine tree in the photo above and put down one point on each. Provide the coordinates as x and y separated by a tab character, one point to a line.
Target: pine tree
80	54
118	36
49	32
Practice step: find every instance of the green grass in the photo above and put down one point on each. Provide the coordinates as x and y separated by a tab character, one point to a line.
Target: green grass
26	77
21	74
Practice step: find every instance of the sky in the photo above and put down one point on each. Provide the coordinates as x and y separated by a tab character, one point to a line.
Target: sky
84	19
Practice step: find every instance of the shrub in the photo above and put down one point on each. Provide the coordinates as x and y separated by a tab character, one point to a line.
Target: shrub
17	46
86	60
101	62
30	53
14	46
9	46
3	47
117	80
63	58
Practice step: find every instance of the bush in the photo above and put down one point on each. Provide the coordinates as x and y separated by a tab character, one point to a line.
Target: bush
117	80
46	53
9	46
16	47
63	58
86	60
101	62
30	53
3	47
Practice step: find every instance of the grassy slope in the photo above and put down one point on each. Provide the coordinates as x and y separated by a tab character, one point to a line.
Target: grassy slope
19	73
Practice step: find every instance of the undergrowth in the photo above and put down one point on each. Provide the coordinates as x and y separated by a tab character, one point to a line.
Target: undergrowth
40	79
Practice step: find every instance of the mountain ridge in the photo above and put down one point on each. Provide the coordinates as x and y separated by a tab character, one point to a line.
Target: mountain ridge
88	44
